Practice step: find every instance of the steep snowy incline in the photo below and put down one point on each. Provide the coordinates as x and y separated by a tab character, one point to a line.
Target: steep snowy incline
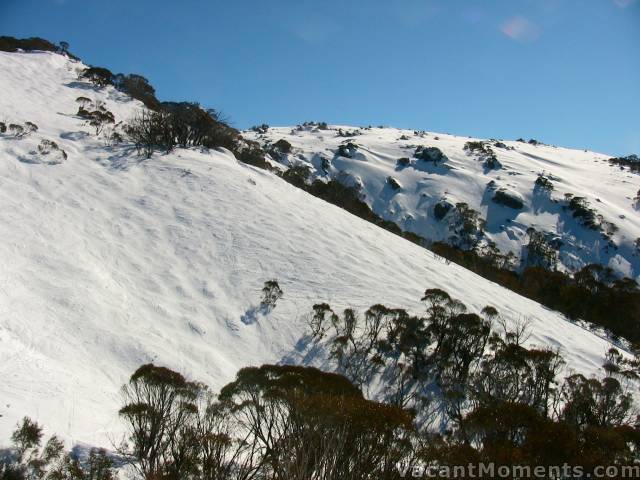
108	261
465	177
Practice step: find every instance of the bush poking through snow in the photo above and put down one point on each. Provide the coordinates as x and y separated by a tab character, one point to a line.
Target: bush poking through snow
541	251
19	131
467	226
583	212
403	162
441	209
484	152
543	183
347	150
430	154
271	293
16	130
508	199
49	147
282	146
393	183
99	76
297	175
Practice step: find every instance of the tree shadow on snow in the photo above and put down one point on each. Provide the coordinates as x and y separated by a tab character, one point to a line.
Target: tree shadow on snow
252	315
74	136
498	216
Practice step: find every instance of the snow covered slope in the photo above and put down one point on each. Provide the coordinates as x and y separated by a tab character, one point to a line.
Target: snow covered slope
108	261
465	177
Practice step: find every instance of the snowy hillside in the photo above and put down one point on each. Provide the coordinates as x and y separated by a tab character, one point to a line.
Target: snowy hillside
108	260
407	191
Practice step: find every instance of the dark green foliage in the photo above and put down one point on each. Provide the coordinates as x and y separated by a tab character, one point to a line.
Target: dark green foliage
632	162
503	197
264	128
484	152
347	150
349	198
393	183
297	175
138	87
441	209
579	206
430	154
541	251
250	153
98	118
3	127
403	162
543	183
11	44
614	304
282	146
98	76
467	226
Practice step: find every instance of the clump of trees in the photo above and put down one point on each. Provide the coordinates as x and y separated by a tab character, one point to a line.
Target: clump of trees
46	147
579	206
453	387
271	293
484	151
466	226
29	459
12	44
185	125
278	422
297	175
632	162
544	183
19	130
279	149
167	125
497	400
95	113
541	250
612	303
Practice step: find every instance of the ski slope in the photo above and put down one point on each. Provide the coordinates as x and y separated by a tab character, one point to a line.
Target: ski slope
108	261
465	178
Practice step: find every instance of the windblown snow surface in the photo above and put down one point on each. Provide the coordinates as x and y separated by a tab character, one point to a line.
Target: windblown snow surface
464	177
108	261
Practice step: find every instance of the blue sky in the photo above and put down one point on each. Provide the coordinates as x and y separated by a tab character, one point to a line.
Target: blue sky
564	71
